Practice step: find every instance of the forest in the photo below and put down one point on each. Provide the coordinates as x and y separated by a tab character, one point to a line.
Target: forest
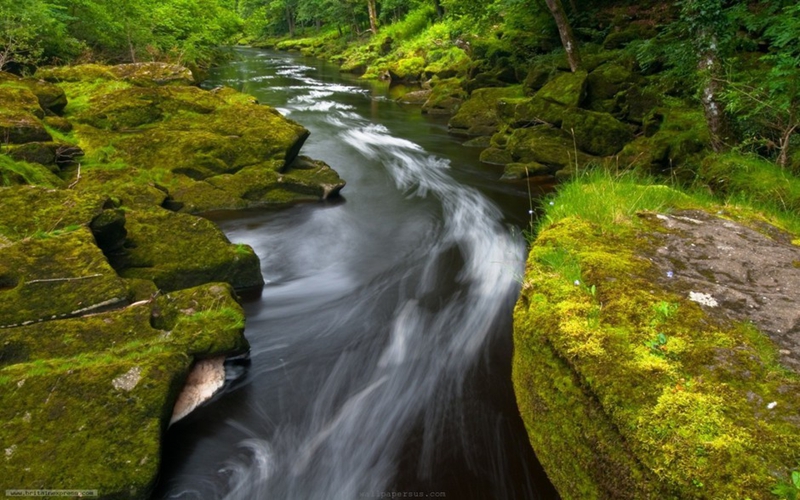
740	59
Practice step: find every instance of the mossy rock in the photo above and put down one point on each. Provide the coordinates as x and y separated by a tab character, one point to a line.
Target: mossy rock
566	89
597	133
680	141
546	145
496	156
515	171
531	111
17	98
154	74
20	115
17	173
407	70
178	251
86	400
536	78
629	390
56	275
479	114
304	180
415	97
38	212
607	81
77	73
446	63
446	97
51	97
638	102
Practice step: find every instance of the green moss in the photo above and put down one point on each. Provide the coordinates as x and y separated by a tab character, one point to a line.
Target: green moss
180	251
597	133
628	390
566	89
531	111
479	114
407	69
14	173
55	277
546	145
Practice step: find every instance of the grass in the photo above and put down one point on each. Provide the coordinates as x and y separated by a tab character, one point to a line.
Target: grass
611	200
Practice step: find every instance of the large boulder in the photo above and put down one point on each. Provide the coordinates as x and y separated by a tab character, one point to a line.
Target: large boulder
597	133
566	89
479	114
546	145
177	251
531	111
20	115
658	359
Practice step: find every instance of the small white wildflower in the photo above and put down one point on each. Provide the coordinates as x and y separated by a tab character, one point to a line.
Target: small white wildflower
577	282
552	203
530	212
669	274
772	405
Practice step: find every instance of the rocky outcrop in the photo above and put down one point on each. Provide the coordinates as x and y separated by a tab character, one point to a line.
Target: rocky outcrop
111	291
660	360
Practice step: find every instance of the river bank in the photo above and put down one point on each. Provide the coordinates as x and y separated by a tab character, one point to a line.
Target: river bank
112	290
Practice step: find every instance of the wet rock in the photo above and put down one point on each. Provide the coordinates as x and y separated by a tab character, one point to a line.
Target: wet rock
529	112
495	156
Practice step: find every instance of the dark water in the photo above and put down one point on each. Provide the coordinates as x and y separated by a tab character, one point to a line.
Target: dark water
381	343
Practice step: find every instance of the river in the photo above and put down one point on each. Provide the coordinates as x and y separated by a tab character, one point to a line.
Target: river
381	342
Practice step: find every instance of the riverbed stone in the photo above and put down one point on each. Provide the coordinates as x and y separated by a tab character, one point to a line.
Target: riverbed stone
629	386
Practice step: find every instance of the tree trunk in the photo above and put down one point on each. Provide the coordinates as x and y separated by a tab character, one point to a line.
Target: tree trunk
439	9
373	16
565	32
290	21
786	136
713	107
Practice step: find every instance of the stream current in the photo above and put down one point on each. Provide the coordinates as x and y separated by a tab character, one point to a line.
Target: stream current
381	342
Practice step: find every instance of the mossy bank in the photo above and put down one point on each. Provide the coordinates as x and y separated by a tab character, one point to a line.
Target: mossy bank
110	287
656	346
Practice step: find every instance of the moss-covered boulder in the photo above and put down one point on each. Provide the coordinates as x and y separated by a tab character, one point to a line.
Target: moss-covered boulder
496	156
514	171
566	89
597	133
180	251
546	145
677	138
85	400
607	81
531	111
409	69
20	115
479	114
637	369
445	98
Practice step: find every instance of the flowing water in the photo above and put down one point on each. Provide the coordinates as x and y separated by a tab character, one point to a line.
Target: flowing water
380	361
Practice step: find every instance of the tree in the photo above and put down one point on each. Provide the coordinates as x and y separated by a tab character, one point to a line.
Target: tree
565	32
373	16
22	25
